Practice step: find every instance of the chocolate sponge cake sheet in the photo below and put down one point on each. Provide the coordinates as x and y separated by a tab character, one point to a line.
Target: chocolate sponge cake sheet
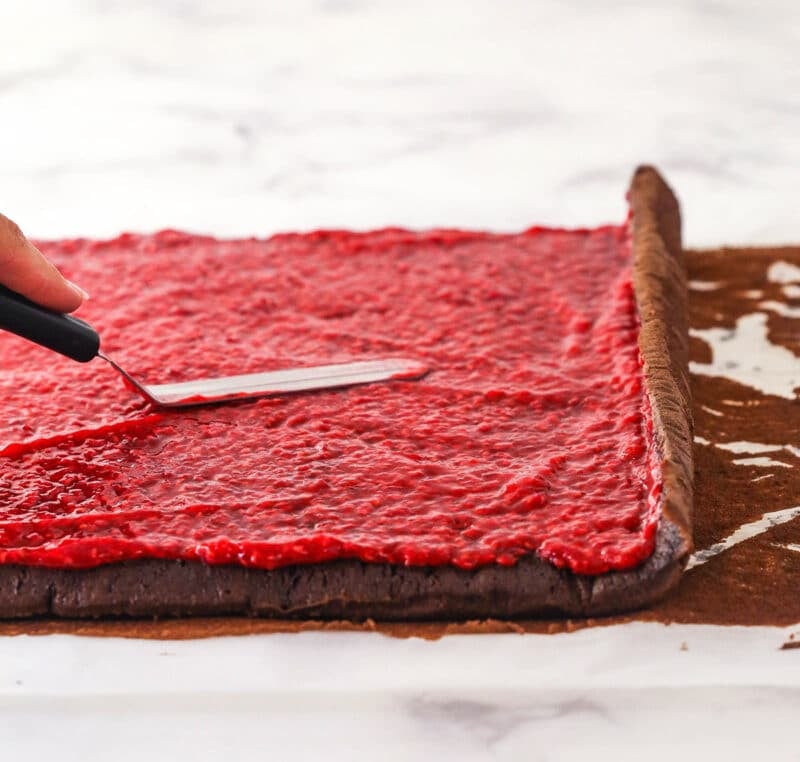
506	541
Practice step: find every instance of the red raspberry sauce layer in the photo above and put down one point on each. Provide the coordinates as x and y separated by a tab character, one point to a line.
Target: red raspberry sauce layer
531	433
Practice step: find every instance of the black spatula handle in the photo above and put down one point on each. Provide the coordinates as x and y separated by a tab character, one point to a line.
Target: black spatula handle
61	333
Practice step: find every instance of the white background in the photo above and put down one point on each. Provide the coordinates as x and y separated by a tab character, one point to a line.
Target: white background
245	118
239	117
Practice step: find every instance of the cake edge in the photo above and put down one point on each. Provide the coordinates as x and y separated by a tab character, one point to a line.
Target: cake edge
660	288
354	590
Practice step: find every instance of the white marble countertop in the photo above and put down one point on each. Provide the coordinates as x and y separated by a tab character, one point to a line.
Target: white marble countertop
246	118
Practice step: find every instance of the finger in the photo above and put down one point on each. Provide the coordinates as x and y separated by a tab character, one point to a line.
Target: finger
24	269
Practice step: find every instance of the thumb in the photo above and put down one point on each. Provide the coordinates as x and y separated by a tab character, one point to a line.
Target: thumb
24	269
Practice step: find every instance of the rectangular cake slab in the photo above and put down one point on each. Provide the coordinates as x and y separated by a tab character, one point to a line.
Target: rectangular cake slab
356	588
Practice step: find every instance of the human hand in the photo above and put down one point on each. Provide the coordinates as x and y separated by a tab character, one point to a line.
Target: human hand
24	269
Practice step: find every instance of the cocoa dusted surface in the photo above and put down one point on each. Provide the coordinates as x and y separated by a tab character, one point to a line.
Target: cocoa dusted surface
756	582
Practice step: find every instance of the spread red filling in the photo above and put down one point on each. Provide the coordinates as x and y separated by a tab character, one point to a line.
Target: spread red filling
531	434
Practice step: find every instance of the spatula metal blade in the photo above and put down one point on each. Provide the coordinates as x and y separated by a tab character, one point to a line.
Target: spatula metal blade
211	390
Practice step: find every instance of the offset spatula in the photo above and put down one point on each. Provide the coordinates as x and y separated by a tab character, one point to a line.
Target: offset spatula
77	340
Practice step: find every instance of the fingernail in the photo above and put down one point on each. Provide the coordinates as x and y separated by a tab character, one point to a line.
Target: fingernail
78	290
